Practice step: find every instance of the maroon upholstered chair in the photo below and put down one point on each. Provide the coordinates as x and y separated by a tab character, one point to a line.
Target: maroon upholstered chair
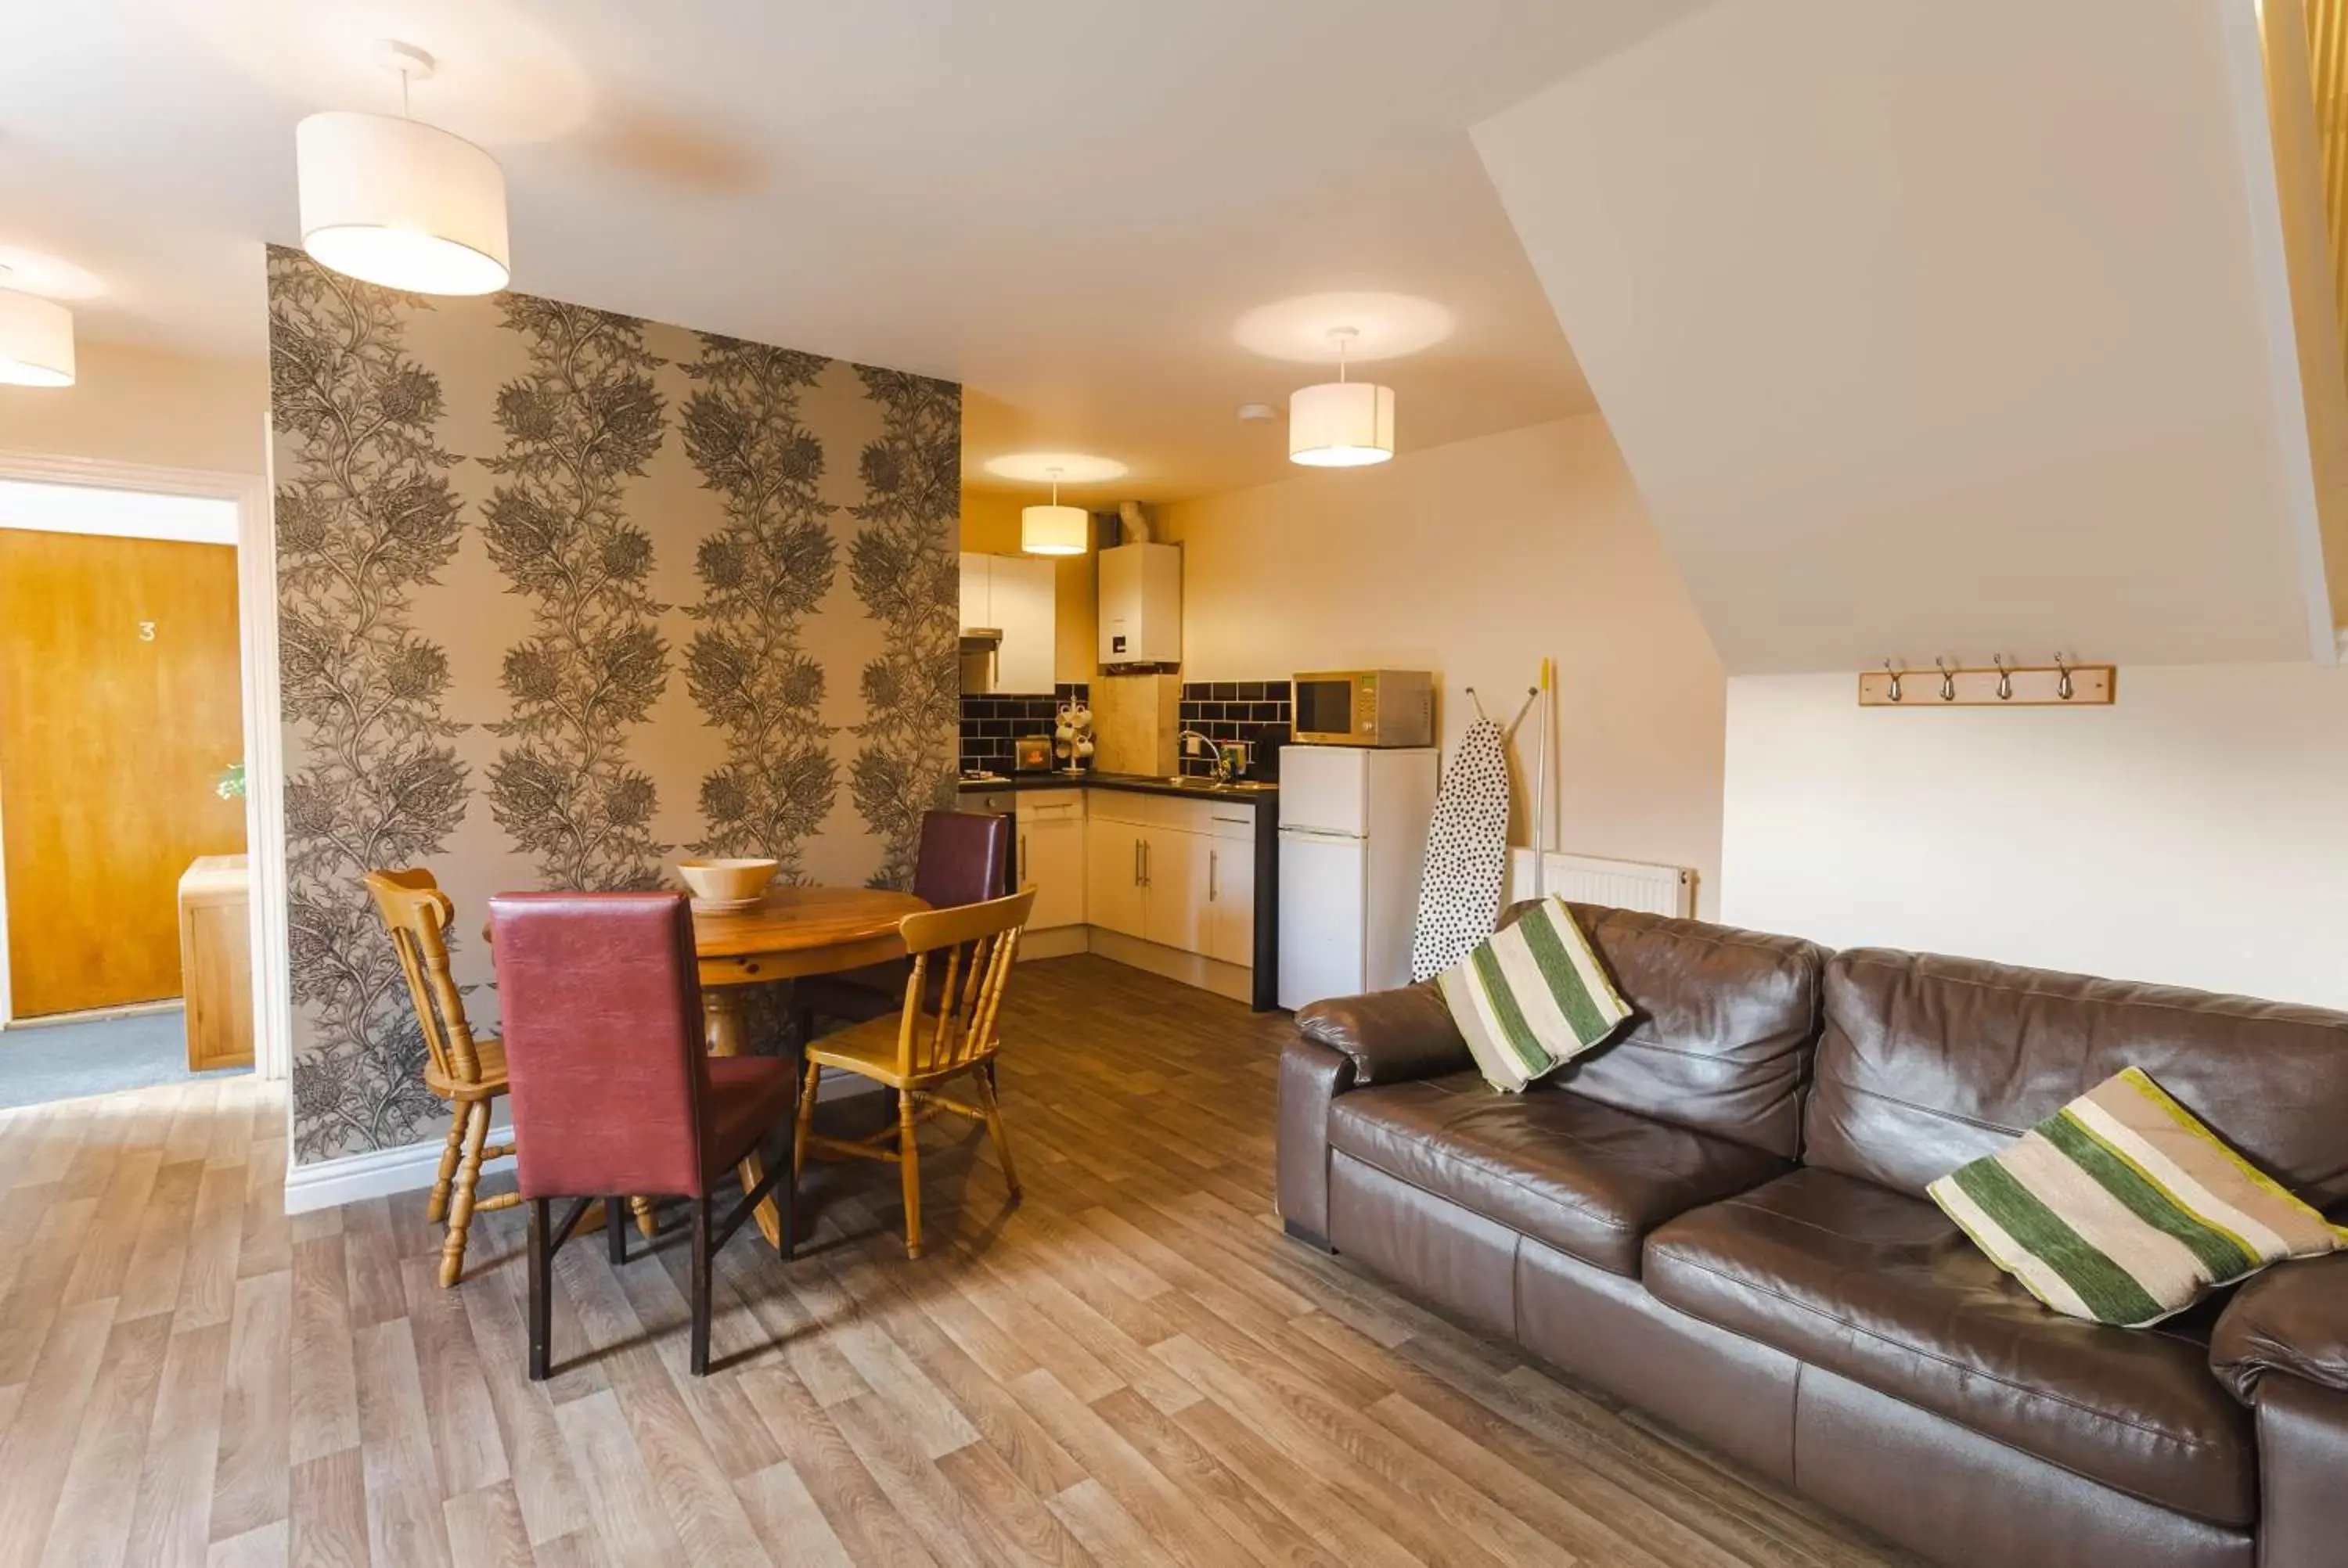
613	1093
964	858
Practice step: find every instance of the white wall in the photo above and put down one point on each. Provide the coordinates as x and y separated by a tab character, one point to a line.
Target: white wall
2196	832
1941	328
1474	559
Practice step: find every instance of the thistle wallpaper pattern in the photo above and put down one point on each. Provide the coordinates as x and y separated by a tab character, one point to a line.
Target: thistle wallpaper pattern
562	599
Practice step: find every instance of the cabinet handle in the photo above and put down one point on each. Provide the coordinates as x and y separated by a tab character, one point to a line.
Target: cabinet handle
1136	862
1145	863
1026	867
1213	859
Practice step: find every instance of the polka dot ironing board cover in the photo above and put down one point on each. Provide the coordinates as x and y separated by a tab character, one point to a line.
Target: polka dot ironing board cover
1467	853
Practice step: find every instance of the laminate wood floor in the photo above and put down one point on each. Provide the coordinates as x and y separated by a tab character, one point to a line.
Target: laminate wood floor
1132	1366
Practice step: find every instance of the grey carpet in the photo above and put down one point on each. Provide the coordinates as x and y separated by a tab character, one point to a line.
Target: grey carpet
69	1061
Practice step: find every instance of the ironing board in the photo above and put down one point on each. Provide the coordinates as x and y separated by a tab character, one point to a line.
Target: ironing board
1466	853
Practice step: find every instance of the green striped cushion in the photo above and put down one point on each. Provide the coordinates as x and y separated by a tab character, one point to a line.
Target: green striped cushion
1530	996
2121	1207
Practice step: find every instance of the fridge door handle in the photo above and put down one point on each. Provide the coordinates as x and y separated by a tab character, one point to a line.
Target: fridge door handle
1321	836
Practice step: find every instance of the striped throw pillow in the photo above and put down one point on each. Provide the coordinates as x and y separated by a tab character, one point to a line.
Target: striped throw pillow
1530	996
2122	1208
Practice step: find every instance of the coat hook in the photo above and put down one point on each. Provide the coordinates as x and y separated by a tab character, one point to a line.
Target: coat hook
2005	678
1895	679
2062	686
1948	681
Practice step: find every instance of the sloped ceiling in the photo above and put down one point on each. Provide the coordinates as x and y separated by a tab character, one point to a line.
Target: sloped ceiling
1937	329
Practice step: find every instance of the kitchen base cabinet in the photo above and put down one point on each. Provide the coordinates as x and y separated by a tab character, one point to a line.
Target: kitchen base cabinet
1113	888
1231	900
1167	883
1049	852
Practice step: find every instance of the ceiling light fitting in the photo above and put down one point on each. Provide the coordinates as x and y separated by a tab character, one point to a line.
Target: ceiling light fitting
1055	529
36	341
1341	424
388	199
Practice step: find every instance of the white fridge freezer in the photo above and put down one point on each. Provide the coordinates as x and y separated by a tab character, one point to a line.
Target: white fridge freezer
1352	841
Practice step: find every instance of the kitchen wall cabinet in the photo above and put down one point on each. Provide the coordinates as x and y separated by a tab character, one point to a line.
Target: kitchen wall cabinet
1013	595
1051	856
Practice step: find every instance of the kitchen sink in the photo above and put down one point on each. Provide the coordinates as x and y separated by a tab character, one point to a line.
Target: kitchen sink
1191	781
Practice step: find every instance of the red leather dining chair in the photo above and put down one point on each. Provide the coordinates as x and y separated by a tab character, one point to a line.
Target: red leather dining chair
612	1092
964	858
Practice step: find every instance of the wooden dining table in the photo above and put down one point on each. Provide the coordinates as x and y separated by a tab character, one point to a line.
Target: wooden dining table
792	932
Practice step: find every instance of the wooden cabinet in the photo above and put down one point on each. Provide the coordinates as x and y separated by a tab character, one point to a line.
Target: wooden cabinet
1178	872
1113	890
1052	858
1231	900
1015	596
977	580
1174	888
216	962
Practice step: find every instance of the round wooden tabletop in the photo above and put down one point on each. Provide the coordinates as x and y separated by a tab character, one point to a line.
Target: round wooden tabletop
801	931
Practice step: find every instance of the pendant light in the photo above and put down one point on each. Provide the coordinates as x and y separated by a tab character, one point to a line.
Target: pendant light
36	342
1055	529
388	199
1341	424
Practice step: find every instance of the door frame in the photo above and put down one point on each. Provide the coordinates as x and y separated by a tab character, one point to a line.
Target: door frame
264	753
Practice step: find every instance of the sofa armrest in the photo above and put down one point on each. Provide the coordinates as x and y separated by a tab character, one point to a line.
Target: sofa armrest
1392	1036
1310	1076
2291	1318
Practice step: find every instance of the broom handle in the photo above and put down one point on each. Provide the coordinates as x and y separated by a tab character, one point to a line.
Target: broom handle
1540	793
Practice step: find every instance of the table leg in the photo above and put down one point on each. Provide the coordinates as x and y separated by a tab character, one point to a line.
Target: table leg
724	1017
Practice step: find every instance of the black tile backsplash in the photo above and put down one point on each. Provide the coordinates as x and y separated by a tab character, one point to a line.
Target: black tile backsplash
989	725
1255	713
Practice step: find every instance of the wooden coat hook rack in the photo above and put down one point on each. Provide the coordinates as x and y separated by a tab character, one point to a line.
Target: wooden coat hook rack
2060	684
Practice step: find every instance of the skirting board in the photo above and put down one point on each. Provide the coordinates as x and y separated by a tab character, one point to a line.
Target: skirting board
380	1173
1232	980
1056	942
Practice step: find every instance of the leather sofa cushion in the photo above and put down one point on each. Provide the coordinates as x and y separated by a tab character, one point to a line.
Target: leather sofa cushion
1883	1289
1722	1030
1929	1062
1589	1180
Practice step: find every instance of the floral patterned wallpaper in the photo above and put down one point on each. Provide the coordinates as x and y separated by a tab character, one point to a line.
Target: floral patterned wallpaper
562	599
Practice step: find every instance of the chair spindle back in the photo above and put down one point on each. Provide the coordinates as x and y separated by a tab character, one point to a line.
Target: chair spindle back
417	914
969	951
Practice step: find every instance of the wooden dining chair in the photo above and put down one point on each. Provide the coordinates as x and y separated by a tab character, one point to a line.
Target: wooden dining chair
613	1093
965	858
945	1028
466	1070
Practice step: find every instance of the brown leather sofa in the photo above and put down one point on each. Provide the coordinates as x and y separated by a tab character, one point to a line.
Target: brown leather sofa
1720	1218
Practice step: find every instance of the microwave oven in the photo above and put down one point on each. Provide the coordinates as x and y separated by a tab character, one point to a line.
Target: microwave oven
1365	708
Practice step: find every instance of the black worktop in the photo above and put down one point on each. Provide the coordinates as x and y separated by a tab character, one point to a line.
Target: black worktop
1135	784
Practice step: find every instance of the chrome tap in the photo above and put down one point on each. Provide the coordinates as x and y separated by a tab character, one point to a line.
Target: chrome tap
1222	763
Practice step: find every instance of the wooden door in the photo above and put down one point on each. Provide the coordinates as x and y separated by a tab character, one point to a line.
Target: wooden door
120	709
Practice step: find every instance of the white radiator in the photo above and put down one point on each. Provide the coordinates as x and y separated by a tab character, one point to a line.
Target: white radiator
1618	884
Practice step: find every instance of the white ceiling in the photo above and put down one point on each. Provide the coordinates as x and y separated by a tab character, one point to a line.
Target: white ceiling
1939	329
1064	204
